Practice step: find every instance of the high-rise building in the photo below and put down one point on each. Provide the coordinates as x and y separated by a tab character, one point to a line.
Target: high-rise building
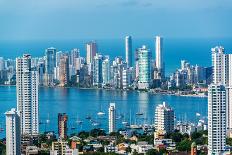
91	50
219	60
97	70
27	95
62	125
75	53
112	118
2	64
58	56
50	63
159	57
216	119
127	77
229	97
144	62
13	134
128	50
106	71
222	74
59	146
64	70
35	101
164	118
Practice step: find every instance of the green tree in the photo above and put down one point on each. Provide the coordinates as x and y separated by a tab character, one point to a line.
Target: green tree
229	141
176	137
184	145
152	152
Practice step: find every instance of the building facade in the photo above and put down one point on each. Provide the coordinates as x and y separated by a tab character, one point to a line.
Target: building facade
128	50
91	50
62	125
216	119
13	133
159	57
144	63
164	118
112	117
27	95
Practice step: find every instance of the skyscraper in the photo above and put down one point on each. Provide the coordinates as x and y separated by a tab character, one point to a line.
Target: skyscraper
35	101
229	96
128	50
164	118
50	63
216	119
75	53
159	58
64	70
106	70
112	118
97	70
144	63
91	50
13	134
219	65
217	102
27	95
62	125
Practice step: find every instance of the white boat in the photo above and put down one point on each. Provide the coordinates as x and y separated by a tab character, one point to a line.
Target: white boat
124	122
135	126
100	113
95	124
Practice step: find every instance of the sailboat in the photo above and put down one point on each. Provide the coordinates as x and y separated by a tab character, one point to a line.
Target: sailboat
124	122
48	120
100	113
139	113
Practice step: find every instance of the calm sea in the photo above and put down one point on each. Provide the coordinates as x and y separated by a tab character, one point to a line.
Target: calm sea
196	51
80	103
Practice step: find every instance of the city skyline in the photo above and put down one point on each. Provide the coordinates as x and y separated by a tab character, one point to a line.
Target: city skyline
51	20
120	76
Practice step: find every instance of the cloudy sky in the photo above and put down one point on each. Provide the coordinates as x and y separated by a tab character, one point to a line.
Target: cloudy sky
85	19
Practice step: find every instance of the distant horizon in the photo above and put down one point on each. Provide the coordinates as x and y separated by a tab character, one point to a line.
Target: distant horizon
117	38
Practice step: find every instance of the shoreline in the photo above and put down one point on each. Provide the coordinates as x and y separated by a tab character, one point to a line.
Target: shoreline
122	90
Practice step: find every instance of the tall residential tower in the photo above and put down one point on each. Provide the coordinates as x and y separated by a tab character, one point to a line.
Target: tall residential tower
159	57
128	50
91	50
164	118
27	95
144	64
112	118
13	135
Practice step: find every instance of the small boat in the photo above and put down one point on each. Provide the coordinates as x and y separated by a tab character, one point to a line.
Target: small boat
100	113
73	128
87	117
134	126
139	113
79	121
95	124
1	129
119	117
47	121
124	122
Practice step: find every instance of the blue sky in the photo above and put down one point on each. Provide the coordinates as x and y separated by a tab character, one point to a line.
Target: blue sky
95	19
